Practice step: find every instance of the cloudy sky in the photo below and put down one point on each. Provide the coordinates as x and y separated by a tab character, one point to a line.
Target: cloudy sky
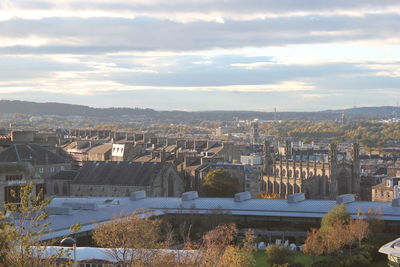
202	54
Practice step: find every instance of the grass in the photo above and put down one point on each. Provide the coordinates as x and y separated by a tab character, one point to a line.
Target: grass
261	259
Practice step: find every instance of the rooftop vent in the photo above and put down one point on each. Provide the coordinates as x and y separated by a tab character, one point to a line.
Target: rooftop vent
81	205
242	196
138	195
347	198
191	195
58	210
293	198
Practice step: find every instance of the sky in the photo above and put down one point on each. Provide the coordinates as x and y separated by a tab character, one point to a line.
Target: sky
201	54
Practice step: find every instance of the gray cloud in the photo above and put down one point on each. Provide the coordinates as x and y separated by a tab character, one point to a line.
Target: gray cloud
102	35
112	50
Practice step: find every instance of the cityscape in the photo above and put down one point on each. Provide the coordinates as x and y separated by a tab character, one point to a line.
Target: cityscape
199	133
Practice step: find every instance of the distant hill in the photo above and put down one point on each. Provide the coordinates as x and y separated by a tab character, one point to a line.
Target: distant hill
34	108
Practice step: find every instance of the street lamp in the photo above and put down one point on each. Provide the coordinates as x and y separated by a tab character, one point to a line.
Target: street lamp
70	242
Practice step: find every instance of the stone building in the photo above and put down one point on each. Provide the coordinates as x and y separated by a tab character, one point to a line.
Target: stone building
317	174
119	179
227	150
13	175
126	151
45	162
386	191
60	183
100	152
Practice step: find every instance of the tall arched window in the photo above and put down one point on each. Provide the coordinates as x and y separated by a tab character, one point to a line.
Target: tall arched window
170	186
55	189
65	189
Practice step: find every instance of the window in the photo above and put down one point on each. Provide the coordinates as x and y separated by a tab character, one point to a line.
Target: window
13	177
12	194
41	170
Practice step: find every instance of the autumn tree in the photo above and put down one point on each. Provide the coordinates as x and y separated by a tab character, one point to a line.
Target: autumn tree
277	254
338	215
269	195
338	230
128	238
240	256
219	183
218	248
22	244
314	244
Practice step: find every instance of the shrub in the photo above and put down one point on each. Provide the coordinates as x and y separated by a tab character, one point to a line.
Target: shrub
328	262
360	259
295	264
278	254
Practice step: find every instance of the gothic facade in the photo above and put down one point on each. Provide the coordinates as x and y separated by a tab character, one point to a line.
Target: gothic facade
317	174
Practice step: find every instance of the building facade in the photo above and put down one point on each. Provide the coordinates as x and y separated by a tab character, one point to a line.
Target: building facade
386	191
317	174
112	178
13	176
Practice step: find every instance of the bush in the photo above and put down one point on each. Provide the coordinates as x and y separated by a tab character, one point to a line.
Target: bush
328	262
363	258
295	264
373	243
278	254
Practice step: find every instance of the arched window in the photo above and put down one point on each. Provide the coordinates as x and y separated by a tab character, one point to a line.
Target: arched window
170	186
290	174
326	186
55	189
65	189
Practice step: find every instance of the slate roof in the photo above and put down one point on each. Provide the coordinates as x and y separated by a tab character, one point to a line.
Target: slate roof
101	149
118	173
32	153
64	175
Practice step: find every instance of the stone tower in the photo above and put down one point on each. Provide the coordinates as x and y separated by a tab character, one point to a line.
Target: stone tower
355	158
268	164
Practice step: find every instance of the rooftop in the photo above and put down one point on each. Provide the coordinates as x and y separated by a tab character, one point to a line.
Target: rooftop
32	153
118	173
107	207
392	248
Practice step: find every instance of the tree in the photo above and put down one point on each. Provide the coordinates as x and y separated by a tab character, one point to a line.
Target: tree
21	240
314	245
219	183
269	195
129	238
338	215
374	220
337	231
359	228
278	254
218	249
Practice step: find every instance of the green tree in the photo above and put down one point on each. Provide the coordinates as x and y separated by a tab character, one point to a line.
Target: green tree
21	239
338	215
219	183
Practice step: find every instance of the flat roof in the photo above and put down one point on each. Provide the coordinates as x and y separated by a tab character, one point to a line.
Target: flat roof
392	248
109	207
